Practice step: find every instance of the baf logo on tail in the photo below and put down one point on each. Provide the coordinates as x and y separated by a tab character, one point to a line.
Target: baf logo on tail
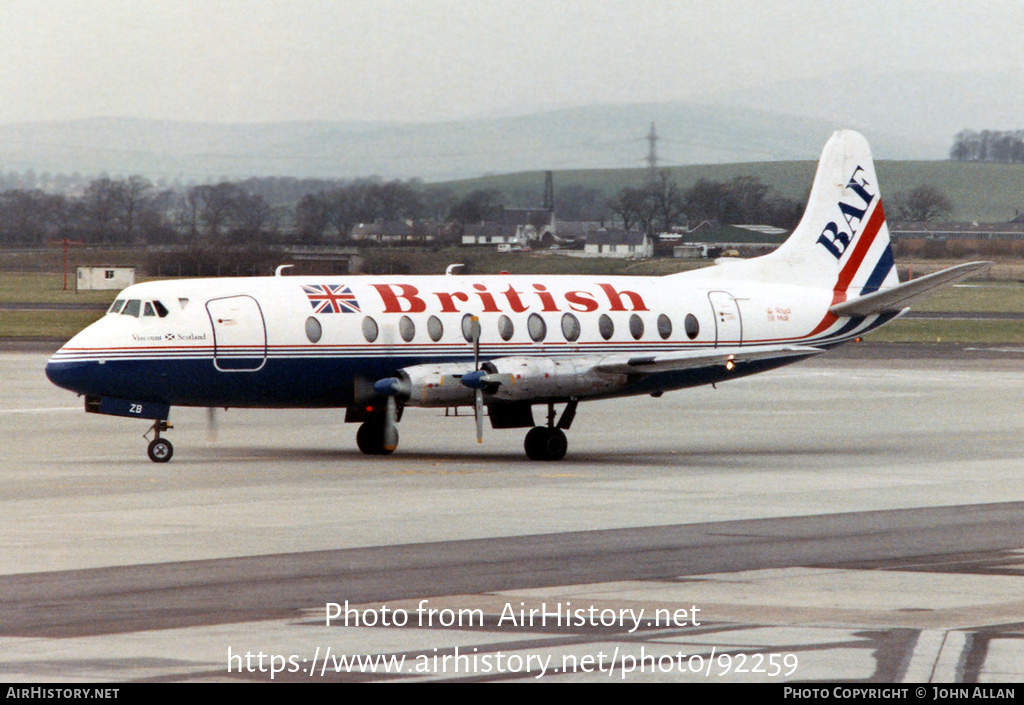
832	237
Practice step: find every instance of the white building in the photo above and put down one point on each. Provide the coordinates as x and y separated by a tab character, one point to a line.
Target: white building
96	278
619	243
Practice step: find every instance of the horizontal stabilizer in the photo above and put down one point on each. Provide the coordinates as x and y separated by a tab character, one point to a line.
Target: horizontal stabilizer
898	297
694	359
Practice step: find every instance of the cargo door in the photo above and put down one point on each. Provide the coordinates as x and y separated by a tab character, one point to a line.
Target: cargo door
728	323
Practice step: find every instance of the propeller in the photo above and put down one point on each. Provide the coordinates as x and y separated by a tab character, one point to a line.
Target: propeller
391	424
391	387
211	425
478	394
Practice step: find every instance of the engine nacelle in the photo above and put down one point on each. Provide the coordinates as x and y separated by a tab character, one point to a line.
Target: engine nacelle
525	378
436	385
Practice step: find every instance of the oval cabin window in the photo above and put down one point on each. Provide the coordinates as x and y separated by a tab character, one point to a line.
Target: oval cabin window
664	326
505	328
434	328
370	329
406	329
636	327
313	330
691	326
570	327
537	328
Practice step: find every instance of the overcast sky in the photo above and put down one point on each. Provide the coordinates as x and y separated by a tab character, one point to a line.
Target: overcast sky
425	60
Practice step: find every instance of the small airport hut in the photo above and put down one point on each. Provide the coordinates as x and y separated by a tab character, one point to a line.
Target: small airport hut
96	278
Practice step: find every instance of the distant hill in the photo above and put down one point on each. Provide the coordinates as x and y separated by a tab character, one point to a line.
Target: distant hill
599	137
929	107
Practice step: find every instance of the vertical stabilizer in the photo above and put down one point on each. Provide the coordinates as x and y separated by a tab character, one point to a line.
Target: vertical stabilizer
842	242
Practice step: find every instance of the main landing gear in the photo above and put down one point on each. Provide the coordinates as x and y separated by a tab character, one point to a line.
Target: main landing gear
549	442
160	449
371	438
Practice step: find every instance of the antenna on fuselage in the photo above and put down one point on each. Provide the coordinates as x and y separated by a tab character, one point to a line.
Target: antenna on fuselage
451	269
281	268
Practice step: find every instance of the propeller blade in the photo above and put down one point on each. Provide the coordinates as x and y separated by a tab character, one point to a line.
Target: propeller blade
475	331
391	424
478	395
478	412
211	425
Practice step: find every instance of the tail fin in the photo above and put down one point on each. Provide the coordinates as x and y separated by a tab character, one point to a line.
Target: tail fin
842	241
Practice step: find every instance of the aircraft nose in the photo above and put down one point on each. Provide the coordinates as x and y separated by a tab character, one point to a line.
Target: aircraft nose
74	376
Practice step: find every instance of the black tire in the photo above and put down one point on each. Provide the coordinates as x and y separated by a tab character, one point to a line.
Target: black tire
160	450
544	443
370	439
556	444
534	443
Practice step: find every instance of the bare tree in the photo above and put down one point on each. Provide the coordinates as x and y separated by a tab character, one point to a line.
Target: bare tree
922	204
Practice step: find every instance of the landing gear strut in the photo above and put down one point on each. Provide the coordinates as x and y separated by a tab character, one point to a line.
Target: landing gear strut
160	449
549	442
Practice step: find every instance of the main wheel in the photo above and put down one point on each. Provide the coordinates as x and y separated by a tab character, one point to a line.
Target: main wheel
557	444
544	443
370	439
160	450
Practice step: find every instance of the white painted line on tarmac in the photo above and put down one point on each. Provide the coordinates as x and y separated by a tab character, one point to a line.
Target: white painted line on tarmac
40	411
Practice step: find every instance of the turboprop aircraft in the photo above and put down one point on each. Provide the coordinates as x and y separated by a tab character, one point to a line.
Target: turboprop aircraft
375	345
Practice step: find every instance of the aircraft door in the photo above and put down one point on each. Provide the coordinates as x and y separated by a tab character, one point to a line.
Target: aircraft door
728	322
239	334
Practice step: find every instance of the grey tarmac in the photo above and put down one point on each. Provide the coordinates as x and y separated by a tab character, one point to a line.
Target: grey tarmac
861	512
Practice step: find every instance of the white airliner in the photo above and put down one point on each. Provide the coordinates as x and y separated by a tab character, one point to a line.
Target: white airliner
375	345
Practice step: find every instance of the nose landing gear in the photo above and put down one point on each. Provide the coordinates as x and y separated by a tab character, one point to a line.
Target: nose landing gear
160	449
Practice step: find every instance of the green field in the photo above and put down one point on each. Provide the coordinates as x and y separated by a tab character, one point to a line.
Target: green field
51	325
979	332
32	287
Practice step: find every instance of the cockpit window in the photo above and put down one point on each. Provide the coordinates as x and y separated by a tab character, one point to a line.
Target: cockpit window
149	310
116	306
132	308
161	310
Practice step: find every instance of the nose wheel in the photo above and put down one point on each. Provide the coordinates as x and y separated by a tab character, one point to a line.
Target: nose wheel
160	449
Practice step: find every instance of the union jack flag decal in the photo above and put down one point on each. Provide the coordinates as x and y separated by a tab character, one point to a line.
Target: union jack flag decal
331	298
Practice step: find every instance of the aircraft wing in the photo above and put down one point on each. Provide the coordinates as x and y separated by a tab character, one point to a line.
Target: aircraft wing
692	359
898	297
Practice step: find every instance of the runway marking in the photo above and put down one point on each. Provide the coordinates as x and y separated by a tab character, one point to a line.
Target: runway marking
40	411
937	657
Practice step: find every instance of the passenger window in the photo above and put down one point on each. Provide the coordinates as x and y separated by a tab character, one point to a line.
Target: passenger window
313	330
505	328
636	327
537	328
149	310
605	326
370	329
664	326
132	308
691	325
407	329
570	327
434	328
116	306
